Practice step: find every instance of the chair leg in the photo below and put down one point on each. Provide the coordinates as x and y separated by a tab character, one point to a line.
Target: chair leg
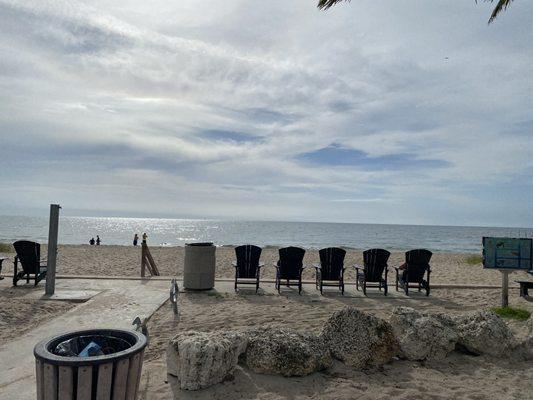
397	278
300	286
364	287
342	288
357	283
257	286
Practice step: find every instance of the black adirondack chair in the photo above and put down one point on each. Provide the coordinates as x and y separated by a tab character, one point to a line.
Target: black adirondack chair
247	266
289	267
29	255
416	267
330	271
374	271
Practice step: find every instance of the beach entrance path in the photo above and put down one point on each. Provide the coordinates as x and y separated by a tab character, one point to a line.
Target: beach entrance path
112	303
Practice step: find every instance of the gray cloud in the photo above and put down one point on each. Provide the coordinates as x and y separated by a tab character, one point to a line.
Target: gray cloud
207	107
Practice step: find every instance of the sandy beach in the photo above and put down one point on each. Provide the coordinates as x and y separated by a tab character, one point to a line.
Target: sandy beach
459	376
447	268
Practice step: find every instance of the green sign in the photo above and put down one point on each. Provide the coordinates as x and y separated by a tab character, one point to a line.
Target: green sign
507	253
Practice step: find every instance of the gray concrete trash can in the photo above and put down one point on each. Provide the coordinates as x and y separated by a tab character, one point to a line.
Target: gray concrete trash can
115	374
199	268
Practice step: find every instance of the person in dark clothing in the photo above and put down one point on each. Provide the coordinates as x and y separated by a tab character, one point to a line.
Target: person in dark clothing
97	240
135	239
91	242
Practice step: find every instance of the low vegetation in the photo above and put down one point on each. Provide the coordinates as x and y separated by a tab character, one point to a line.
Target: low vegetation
6	248
474	259
512	313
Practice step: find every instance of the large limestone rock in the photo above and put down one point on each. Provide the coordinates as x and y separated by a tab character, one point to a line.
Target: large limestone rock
286	352
200	359
358	339
483	332
422	336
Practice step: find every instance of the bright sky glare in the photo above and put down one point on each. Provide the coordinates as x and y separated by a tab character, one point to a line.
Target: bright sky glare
375	111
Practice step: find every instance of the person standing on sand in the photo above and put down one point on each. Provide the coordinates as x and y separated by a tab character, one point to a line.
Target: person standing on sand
91	242
135	239
145	236
97	240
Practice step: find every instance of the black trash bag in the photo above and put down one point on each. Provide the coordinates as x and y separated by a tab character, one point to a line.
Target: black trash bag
94	345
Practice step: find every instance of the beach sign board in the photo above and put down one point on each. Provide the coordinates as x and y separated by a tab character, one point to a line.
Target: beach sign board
507	253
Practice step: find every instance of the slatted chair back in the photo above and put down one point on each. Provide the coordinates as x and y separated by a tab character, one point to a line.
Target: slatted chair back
29	255
290	262
375	261
331	263
417	264
248	257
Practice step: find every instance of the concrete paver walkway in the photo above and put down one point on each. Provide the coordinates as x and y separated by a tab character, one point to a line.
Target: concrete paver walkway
115	305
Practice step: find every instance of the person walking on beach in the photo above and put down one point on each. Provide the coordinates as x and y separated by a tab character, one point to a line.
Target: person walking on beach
135	239
97	240
91	242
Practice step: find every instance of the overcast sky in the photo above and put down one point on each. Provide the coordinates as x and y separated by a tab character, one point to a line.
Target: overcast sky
379	111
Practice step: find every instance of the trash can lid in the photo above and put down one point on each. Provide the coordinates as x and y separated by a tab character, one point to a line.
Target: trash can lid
199	244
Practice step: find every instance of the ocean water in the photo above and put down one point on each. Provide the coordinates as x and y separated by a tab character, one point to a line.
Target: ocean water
314	235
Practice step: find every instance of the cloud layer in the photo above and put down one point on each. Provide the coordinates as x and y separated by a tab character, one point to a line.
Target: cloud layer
371	112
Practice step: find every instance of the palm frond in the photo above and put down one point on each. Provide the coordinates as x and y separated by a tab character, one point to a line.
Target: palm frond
325	4
501	6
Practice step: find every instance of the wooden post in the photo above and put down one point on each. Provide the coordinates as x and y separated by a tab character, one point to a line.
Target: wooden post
147	261
143	260
52	249
505	288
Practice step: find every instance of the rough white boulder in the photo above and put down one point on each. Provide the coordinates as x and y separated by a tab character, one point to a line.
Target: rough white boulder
422	336
483	332
202	359
286	352
359	339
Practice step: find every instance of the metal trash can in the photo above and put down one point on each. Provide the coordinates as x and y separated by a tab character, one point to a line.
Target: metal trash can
113	374
199	268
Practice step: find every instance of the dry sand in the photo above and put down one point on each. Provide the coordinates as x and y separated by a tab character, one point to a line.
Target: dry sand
21	312
459	376
449	268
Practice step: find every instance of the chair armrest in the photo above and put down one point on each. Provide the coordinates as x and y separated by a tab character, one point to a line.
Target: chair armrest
316	266
261	265
275	265
234	263
396	268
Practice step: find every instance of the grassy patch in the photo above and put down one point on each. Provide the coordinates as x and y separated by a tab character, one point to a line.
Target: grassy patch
6	248
474	259
512	313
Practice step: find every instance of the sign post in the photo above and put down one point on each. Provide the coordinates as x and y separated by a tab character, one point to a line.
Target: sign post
505	288
507	255
52	249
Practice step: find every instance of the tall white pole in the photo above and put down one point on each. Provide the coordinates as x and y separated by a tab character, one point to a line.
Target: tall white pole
52	249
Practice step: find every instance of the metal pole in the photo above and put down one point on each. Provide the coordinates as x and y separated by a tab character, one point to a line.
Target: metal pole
52	249
505	288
